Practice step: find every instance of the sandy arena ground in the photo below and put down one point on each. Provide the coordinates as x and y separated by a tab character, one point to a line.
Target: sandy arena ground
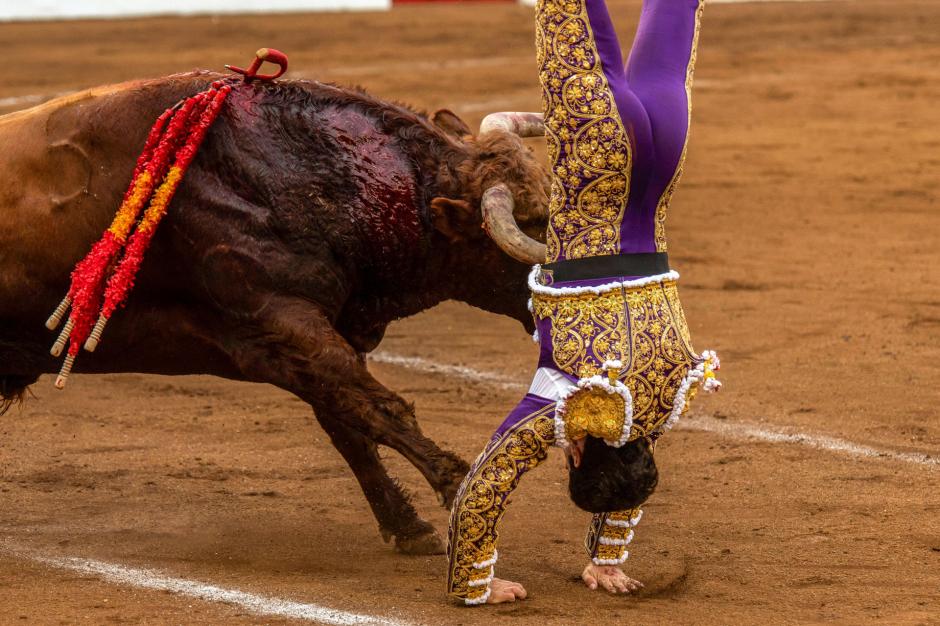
808	236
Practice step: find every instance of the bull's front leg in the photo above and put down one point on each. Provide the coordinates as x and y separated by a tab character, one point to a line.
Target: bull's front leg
390	504
386	418
292	345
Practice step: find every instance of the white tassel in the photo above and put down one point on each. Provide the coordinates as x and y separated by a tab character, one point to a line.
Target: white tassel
619	561
488	563
702	374
616	542
481	600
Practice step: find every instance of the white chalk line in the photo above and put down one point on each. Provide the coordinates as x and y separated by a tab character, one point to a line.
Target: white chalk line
157	581
730	429
744	430
13	101
32	98
457	371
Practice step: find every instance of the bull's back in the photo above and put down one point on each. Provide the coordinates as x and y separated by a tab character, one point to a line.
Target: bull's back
63	170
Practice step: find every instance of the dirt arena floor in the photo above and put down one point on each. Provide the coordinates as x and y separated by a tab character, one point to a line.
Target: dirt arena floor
807	230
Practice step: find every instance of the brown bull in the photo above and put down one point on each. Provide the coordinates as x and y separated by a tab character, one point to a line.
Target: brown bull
312	217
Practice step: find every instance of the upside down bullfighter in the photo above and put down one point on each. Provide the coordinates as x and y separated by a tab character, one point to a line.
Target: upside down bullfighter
616	367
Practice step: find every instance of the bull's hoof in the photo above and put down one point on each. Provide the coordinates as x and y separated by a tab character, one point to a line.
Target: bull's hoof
422	543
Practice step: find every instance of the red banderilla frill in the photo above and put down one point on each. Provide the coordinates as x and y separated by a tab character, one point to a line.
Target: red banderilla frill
101	282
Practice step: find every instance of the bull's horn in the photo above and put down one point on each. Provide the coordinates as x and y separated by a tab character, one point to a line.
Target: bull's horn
522	124
501	226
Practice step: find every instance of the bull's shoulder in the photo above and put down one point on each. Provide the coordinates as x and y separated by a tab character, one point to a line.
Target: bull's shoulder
64	167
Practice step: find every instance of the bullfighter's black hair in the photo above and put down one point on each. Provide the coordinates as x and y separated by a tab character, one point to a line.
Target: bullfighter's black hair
613	479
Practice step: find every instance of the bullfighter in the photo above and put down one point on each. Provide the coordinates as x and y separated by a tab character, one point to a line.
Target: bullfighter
616	366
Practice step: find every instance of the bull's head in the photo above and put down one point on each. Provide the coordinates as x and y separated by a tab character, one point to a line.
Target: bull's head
497	203
499	210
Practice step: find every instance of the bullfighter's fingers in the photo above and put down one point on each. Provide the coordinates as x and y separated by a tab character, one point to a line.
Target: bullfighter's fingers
589	580
498	596
515	589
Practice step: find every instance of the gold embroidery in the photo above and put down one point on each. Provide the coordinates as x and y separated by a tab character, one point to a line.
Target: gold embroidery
481	501
672	296
588	146
664	201
595	412
643	327
609	534
587	330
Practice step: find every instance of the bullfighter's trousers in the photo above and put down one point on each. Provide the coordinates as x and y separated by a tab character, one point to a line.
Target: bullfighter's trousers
633	325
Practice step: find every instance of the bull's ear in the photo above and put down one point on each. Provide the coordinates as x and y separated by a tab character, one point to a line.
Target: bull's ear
455	219
448	122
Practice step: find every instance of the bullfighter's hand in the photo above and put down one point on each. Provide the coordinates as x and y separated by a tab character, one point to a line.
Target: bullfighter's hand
505	591
610	577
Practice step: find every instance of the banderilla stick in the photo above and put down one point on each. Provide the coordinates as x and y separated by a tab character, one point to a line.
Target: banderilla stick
56	318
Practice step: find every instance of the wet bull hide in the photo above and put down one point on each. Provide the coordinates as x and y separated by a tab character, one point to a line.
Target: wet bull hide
311	218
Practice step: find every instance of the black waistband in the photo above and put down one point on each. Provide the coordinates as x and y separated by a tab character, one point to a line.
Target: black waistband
640	264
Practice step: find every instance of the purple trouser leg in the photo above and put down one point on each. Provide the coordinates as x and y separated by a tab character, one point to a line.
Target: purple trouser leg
520	443
625	174
528	406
